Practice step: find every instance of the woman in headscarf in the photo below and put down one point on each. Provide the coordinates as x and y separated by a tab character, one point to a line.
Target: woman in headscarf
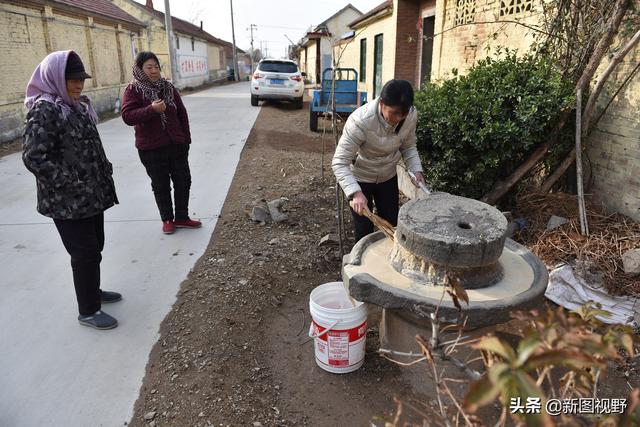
153	105
74	181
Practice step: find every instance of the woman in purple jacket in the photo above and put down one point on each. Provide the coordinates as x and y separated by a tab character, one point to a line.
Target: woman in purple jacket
153	105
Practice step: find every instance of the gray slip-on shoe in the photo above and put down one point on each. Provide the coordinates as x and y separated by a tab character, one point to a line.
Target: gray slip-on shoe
107	297
98	320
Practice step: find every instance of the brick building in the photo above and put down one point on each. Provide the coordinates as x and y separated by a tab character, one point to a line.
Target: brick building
107	34
104	36
244	60
419	40
386	43
469	30
200	57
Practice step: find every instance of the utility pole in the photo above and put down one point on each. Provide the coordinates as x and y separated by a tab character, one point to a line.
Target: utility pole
251	27
235	53
170	40
289	49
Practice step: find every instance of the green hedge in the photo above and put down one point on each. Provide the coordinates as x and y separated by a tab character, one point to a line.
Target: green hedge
474	130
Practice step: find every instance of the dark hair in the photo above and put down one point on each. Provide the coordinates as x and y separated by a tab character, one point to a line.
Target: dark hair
397	93
143	57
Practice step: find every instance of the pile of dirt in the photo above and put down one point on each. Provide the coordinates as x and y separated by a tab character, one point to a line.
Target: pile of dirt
10	147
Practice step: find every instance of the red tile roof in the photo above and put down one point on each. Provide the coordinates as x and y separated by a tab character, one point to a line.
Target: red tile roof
102	8
382	6
186	27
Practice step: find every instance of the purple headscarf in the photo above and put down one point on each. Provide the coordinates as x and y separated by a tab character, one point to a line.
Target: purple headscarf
48	83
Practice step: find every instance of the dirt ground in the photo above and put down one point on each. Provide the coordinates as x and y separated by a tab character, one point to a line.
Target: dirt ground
234	350
10	147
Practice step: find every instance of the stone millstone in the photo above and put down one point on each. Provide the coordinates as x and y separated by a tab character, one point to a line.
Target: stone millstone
370	288
452	231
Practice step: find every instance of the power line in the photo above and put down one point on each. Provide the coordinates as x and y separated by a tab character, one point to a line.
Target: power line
275	41
283	28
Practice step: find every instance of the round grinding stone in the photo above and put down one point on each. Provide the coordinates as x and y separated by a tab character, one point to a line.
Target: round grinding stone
452	231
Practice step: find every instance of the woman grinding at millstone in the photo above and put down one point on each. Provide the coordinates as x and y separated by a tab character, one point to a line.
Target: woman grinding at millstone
374	139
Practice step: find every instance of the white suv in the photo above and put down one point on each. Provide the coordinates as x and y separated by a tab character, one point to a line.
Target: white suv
277	79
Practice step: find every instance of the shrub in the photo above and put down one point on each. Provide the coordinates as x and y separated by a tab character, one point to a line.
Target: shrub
474	130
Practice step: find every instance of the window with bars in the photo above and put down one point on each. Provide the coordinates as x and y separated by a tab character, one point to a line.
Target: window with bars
465	11
515	7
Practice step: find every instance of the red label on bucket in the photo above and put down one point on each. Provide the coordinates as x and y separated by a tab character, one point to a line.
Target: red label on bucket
354	333
334	347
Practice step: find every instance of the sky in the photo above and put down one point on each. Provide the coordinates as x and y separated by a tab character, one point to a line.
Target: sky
275	19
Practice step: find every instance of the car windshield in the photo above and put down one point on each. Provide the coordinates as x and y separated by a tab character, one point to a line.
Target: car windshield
278	67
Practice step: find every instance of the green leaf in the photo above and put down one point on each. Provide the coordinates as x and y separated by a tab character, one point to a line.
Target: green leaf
475	129
570	359
496	346
528	388
526	348
481	393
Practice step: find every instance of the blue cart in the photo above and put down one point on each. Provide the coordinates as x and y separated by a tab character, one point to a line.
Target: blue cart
347	97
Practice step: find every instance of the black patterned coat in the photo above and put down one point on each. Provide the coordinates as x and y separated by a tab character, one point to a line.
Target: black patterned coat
73	176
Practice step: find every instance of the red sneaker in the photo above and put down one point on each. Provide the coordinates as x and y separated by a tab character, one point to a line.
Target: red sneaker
168	227
187	223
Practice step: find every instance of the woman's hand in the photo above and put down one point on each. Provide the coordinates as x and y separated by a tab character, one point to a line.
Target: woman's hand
419	179
359	202
158	106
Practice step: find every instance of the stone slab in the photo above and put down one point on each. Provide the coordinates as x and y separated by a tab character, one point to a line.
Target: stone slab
366	288
452	231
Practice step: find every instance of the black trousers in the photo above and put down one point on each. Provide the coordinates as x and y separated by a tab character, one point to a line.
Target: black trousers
84	240
385	197
165	165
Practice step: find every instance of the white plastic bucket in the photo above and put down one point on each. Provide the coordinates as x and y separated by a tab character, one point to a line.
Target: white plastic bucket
338	328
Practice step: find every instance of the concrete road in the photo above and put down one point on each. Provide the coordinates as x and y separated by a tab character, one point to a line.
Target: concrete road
54	372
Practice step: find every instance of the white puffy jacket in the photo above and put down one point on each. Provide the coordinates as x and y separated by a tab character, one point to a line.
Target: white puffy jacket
376	148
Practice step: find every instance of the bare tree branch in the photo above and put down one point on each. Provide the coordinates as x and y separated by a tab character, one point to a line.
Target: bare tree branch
595	93
501	188
586	126
604	43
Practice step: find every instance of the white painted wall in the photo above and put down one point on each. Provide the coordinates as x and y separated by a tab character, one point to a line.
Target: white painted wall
338	25
192	61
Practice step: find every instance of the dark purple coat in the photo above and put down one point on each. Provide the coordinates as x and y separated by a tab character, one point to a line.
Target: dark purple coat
137	111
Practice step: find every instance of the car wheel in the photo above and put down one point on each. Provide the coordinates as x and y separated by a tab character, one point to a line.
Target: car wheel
298	103
313	119
254	100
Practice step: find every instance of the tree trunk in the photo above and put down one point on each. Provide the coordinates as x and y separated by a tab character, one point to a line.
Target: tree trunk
584	224
502	187
591	103
586	125
603	45
560	170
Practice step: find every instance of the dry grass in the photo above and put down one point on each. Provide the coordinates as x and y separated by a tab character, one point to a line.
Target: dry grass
611	235
381	223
